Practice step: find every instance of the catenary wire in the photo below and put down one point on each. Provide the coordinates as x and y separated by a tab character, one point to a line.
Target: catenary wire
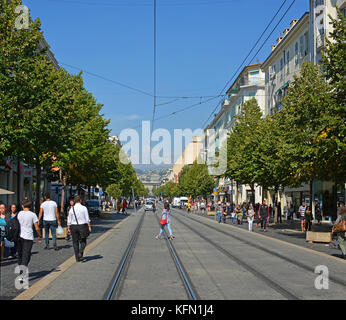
254	46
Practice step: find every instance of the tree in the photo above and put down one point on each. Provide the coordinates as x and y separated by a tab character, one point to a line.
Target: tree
114	191
334	67
242	165
305	121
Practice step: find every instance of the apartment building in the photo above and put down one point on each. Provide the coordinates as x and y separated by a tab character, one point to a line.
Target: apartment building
249	84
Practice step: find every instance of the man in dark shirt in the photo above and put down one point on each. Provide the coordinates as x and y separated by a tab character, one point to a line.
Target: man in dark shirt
263	214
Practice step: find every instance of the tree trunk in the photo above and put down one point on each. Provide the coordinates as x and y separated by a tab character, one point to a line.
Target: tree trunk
63	180
38	186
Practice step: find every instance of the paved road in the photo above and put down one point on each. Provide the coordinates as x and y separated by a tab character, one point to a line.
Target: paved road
222	262
44	262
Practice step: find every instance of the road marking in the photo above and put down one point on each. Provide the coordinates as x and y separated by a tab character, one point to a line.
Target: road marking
30	293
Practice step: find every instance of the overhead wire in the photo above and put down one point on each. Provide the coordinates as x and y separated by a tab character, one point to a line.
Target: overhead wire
252	49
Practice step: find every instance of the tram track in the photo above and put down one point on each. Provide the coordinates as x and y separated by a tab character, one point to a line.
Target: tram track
308	268
115	288
269	282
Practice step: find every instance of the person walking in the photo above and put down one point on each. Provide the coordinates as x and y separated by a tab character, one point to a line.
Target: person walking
11	215
218	210
166	214
341	234
78	224
71	204
224	212
263	214
301	211
27	220
291	213
124	206
250	216
279	213
51	220
3	225
239	214
154	207
203	205
308	219
318	213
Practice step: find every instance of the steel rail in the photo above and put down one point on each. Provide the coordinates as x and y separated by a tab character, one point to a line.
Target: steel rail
259	275
274	253
114	286
190	289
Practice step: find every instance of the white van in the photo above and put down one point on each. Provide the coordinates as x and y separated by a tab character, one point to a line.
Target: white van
176	203
184	201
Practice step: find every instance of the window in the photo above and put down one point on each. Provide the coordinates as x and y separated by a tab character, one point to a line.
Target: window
288	62
301	46
254	77
306	40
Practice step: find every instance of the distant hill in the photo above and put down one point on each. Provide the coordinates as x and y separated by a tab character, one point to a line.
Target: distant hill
151	175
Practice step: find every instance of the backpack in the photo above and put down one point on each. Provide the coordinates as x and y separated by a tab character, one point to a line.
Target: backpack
163	220
13	229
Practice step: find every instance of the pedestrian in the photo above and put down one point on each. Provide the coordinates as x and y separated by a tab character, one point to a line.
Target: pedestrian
11	215
341	219
154	207
257	214
301	211
78	224
125	205
308	219
318	213
27	220
233	216
219	211
291	212
71	204
203	205
224	212
263	214
279	213
2	229
51	220
239	214
166	215
250	216
119	207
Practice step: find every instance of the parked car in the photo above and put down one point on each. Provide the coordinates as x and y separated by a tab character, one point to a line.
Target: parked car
94	207
148	205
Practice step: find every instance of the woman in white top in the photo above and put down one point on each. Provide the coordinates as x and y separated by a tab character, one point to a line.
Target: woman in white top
250	216
166	212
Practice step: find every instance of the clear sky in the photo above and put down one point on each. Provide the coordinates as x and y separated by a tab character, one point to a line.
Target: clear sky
200	45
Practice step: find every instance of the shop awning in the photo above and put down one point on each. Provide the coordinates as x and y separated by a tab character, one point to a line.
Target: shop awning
3	191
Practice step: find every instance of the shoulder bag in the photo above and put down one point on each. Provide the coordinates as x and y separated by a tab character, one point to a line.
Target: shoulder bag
83	228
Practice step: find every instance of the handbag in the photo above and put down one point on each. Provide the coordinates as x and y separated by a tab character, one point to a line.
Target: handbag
83	228
60	230
163	220
340	227
8	244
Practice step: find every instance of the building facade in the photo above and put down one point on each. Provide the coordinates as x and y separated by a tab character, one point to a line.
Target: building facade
249	84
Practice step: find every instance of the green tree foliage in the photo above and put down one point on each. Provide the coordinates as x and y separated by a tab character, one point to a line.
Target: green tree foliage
114	191
334	67
305	120
242	164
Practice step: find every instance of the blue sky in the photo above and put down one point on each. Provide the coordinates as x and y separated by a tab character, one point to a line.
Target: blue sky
200	44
